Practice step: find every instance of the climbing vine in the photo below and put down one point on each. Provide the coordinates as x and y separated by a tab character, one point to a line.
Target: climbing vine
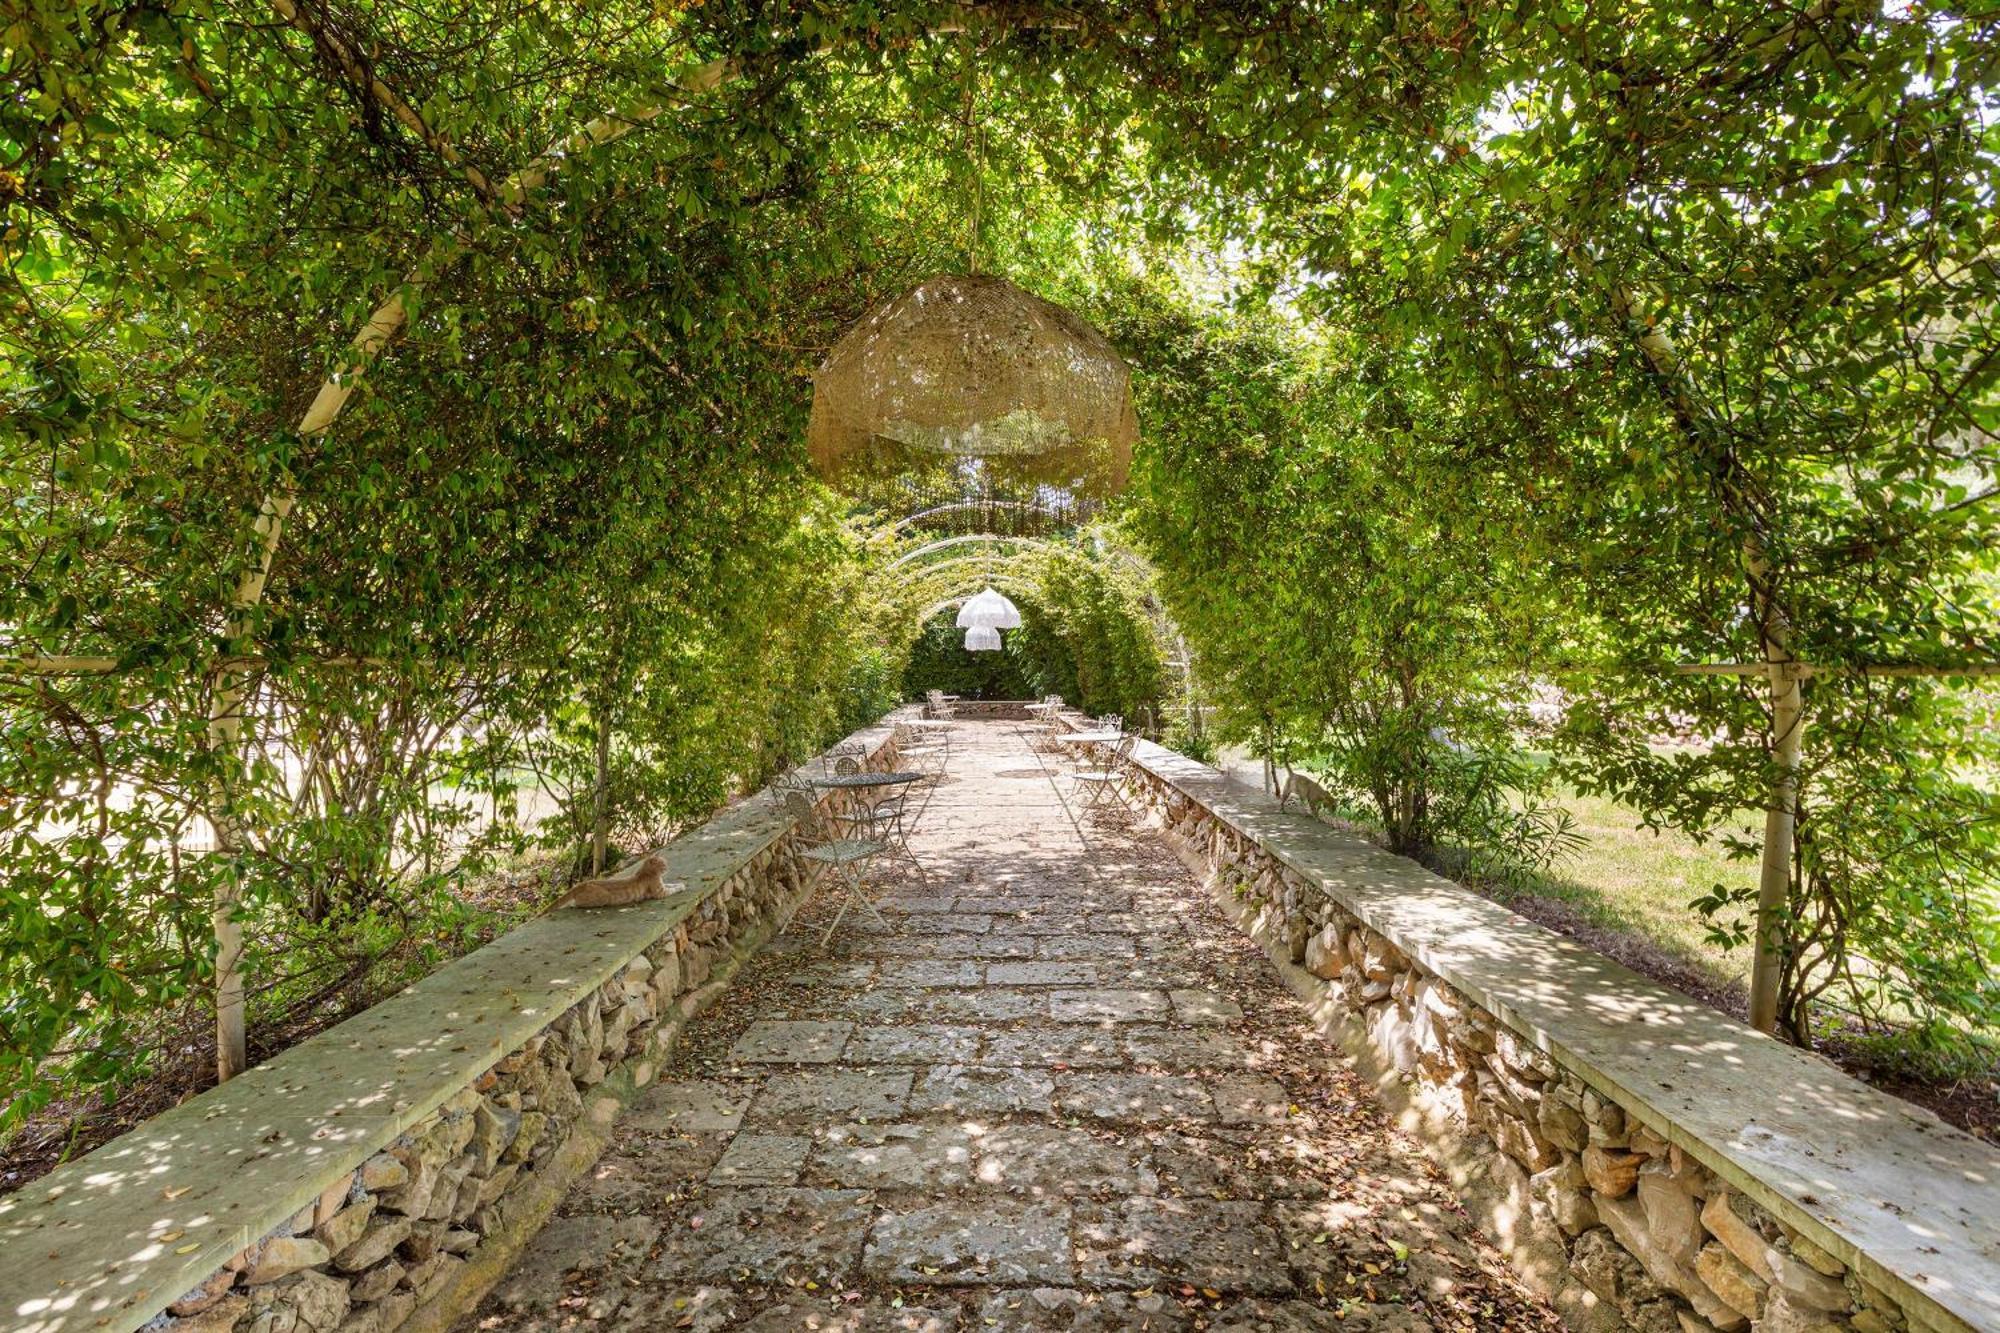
1552	348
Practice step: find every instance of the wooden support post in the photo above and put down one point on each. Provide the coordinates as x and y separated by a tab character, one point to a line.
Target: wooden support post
1788	723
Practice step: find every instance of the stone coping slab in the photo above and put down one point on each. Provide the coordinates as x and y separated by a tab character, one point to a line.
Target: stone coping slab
106	1241
1906	1200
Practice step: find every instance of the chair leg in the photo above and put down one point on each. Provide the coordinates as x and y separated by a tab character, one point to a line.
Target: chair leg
835	925
902	848
858	889
873	911
851	895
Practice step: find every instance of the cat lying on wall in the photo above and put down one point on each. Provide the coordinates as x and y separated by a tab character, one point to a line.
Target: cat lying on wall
636	883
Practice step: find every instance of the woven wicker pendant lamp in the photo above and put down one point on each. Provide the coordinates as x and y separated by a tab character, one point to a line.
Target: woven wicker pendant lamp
972	367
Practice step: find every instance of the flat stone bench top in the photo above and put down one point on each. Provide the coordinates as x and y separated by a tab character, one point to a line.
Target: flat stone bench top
105	1242
1910	1202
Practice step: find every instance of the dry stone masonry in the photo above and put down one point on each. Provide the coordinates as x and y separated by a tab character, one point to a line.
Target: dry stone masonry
433	1213
1623	1222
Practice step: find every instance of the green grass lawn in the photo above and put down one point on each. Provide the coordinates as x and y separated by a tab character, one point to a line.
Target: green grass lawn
1628	878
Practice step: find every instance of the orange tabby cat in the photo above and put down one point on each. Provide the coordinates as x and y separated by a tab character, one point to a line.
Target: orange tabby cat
636	883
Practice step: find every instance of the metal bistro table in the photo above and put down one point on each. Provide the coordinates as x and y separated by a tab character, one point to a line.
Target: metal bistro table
900	840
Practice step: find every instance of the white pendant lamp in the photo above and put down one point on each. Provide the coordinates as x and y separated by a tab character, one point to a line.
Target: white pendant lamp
982	639
991	610
977	610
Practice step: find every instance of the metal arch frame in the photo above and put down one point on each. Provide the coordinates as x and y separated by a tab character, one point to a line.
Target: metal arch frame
962	585
967	539
923	617
1027	507
952	568
951	581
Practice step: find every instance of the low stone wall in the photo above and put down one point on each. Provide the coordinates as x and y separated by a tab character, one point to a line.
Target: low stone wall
991	710
1645	1161
382	1175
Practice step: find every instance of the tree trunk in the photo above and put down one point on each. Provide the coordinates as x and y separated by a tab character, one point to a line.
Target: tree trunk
599	809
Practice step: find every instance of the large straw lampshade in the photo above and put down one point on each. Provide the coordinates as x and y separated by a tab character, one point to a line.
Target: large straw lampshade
973	367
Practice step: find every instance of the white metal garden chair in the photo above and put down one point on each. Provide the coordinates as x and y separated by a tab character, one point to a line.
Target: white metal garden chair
846	859
919	751
1050	715
843	750
1104	772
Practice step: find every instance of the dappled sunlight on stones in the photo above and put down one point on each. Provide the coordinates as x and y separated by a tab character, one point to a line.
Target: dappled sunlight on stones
762	1159
1140	1098
971	1243
918	1044
1047	1046
815	1093
1060	1093
793	1042
1142	1242
894	1156
766	1235
982	1090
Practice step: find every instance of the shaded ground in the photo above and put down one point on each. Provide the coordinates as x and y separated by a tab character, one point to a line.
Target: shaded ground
1058	1094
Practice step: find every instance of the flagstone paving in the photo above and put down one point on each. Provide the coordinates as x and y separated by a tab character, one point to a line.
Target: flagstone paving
1058	1093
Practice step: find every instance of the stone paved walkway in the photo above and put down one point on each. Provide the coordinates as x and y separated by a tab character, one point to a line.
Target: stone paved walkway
1059	1094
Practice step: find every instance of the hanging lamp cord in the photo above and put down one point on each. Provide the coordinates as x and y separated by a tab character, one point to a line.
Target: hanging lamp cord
972	143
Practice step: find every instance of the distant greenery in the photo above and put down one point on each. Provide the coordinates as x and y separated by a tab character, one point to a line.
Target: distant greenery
939	661
1098	648
1085	635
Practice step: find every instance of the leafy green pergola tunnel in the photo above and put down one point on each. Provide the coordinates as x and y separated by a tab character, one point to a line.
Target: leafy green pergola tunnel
1632	362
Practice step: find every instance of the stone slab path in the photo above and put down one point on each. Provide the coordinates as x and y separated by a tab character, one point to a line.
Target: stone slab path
1059	1093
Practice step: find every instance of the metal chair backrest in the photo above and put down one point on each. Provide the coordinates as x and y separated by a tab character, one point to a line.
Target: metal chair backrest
1126	744
803	812
1112	721
845	764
